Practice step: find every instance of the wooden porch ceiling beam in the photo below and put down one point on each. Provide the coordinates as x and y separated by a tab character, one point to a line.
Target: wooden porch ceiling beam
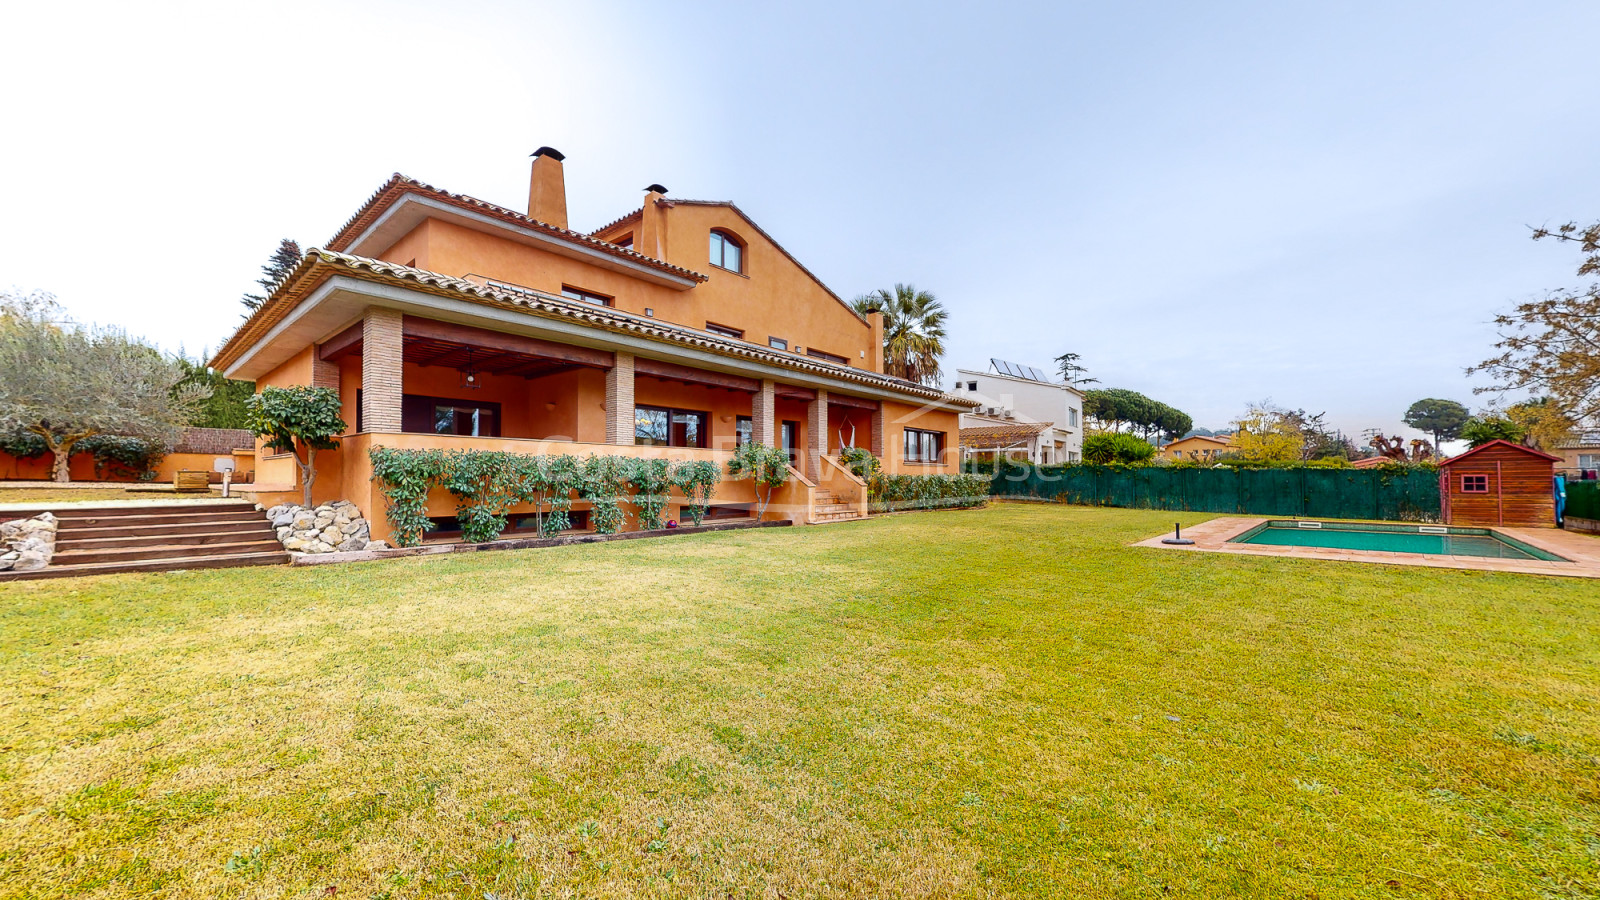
790	392
655	368
485	339
342	344
852	402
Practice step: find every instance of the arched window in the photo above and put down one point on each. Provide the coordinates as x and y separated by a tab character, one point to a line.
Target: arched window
727	252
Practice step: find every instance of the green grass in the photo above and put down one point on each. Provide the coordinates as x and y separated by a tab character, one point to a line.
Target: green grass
1004	702
84	495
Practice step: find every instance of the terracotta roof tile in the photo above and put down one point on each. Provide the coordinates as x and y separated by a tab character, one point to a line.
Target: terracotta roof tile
319	264
399	185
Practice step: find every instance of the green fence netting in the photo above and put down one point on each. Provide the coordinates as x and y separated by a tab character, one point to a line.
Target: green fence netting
1583	500
1411	496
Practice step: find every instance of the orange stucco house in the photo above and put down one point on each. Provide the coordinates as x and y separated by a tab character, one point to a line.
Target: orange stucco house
678	330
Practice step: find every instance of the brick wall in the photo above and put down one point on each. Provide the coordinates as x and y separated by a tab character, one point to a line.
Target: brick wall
216	441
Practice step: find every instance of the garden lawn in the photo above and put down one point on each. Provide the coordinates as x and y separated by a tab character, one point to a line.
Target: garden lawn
1002	702
13	495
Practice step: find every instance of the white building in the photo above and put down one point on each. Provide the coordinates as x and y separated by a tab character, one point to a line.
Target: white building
1021	408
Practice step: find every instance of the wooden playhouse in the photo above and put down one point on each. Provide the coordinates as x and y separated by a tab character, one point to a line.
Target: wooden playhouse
1499	483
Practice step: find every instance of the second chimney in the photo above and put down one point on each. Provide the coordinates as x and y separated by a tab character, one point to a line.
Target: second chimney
547	188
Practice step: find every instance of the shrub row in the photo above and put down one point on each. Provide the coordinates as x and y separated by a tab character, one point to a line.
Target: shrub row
486	483
131	456
888	493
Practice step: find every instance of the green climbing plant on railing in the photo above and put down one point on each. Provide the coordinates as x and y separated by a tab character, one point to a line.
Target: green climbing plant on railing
602	482
767	466
487	484
406	477
652	482
698	480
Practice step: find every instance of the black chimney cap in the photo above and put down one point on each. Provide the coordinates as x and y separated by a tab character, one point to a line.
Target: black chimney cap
551	152
656	188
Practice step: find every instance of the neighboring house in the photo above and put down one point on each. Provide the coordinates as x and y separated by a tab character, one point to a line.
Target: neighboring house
1580	456
677	331
1196	448
1009	394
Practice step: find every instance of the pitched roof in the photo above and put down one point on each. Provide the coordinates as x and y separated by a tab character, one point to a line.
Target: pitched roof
1199	437
759	230
1506	444
318	265
987	436
399	185
634	216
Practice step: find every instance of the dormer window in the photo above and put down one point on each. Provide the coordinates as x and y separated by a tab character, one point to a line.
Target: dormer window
726	252
583	296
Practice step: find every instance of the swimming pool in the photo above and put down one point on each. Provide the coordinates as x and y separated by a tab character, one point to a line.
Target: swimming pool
1436	539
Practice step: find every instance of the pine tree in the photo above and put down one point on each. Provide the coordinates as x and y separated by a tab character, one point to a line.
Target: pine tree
274	271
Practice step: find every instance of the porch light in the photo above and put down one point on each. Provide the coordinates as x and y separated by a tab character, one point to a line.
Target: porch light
469	374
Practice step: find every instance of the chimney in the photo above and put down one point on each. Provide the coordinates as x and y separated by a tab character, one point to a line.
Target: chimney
875	353
547	188
652	237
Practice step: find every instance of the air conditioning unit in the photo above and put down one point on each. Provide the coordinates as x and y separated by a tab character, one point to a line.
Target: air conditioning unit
1010	415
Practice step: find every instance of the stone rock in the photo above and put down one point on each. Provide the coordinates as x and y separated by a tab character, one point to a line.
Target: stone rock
350	527
28	561
302	520
320	547
332	534
354	544
377	545
282	517
30	544
295	543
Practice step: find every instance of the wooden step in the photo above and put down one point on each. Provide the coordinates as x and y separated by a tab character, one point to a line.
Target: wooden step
71	540
169	528
164	551
96	521
65	509
276	558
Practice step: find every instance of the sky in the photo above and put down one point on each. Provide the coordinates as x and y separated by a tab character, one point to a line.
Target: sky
1323	205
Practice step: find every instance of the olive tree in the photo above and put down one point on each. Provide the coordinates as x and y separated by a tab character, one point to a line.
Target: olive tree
65	382
298	420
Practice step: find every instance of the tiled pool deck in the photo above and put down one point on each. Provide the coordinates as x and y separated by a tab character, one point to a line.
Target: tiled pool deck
1582	549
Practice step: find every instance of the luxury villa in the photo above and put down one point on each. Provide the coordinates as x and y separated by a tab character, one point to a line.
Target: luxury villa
679	330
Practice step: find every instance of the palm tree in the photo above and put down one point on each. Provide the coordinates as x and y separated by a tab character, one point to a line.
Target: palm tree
913	331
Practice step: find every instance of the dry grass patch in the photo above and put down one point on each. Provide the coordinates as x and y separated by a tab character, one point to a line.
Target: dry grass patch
95	494
1007	702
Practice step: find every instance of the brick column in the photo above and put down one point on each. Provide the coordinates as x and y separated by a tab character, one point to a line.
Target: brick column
380	370
619	400
877	431
763	409
816	435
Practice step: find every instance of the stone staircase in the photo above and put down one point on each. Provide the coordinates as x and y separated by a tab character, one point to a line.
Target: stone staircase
156	538
825	507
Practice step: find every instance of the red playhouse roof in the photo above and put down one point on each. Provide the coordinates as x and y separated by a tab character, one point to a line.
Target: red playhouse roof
1475	450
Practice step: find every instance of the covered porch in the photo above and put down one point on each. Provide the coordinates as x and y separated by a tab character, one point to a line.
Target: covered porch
418	382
